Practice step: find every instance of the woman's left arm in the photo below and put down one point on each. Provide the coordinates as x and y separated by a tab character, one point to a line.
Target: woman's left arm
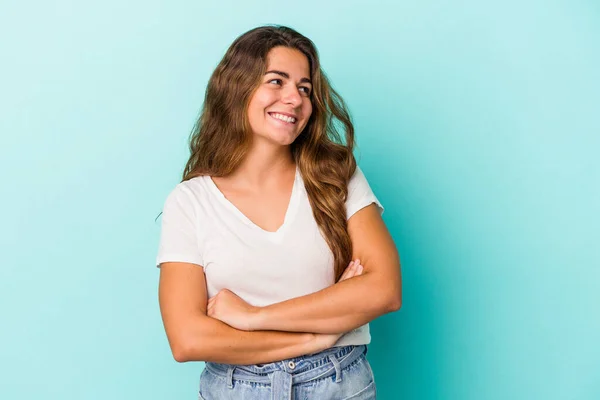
350	303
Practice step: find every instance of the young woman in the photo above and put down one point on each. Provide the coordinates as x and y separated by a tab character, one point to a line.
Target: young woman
256	240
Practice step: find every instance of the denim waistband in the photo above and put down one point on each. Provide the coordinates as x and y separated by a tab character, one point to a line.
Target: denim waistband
283	374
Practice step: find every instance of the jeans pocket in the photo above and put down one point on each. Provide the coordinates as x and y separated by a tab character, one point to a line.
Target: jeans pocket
202	383
368	393
362	380
368	364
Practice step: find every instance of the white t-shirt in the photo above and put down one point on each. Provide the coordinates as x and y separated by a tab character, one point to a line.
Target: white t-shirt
200	226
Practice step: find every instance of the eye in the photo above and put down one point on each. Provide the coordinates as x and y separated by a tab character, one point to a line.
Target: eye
306	89
279	81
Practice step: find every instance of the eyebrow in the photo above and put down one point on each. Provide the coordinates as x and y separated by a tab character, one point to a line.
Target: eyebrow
286	75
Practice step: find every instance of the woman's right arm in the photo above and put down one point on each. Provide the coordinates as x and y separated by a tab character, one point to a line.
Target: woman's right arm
193	336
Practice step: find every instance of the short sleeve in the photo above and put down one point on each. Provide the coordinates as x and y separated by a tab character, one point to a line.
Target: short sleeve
360	194
179	231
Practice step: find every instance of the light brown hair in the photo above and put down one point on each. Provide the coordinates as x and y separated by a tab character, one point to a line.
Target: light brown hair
222	136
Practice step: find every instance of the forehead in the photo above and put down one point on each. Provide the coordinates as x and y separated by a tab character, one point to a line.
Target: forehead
288	60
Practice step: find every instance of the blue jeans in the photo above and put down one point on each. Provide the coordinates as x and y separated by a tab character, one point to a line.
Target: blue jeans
340	373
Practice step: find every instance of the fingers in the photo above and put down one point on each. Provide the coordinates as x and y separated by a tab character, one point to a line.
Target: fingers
209	305
211	302
347	271
353	269
359	267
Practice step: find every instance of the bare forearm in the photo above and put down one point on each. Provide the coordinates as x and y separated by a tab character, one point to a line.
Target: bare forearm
208	339
338	308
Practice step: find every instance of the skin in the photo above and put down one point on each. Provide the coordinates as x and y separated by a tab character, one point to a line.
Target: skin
312	313
269	166
225	328
226	306
286	89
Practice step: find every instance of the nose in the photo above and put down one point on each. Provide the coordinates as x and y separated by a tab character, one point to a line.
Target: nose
292	97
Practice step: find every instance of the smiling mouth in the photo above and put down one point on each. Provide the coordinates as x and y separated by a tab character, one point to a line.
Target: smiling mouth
283	118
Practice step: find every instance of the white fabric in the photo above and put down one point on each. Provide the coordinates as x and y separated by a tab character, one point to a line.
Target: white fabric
200	226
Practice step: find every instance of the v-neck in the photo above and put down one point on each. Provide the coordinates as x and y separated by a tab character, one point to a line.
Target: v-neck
289	213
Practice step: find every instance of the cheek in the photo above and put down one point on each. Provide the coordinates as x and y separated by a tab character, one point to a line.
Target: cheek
307	110
256	108
262	99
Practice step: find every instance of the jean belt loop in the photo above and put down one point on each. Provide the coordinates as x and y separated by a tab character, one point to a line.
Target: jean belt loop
336	365
230	370
281	385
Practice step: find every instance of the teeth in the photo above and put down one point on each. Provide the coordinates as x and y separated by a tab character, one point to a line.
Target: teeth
283	117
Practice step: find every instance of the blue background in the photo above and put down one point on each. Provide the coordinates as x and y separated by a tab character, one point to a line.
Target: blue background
477	124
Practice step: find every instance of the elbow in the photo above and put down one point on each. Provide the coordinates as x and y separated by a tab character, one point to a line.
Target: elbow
389	298
180	354
186	350
190	341
180	350
386	301
394	303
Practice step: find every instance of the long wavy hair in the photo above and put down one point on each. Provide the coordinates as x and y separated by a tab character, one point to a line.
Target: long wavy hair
222	136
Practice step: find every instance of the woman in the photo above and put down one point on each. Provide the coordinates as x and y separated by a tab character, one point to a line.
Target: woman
256	239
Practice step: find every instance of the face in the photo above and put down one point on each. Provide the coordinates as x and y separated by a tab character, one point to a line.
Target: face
281	106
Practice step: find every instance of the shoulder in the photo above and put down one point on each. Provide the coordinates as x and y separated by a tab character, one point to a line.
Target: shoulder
358	181
197	186
357	178
360	194
188	194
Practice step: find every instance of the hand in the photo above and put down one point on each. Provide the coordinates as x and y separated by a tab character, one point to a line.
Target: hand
327	340
353	269
231	309
228	307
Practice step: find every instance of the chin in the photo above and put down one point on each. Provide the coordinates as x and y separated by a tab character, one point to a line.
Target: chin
280	139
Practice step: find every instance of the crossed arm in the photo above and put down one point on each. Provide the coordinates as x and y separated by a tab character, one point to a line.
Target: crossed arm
231	331
339	308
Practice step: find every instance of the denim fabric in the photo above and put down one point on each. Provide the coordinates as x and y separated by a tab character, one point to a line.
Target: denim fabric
340	373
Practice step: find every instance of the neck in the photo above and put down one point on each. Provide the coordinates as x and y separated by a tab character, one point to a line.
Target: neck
263	165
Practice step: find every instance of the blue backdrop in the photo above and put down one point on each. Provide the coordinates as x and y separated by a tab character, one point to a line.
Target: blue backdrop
478	129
